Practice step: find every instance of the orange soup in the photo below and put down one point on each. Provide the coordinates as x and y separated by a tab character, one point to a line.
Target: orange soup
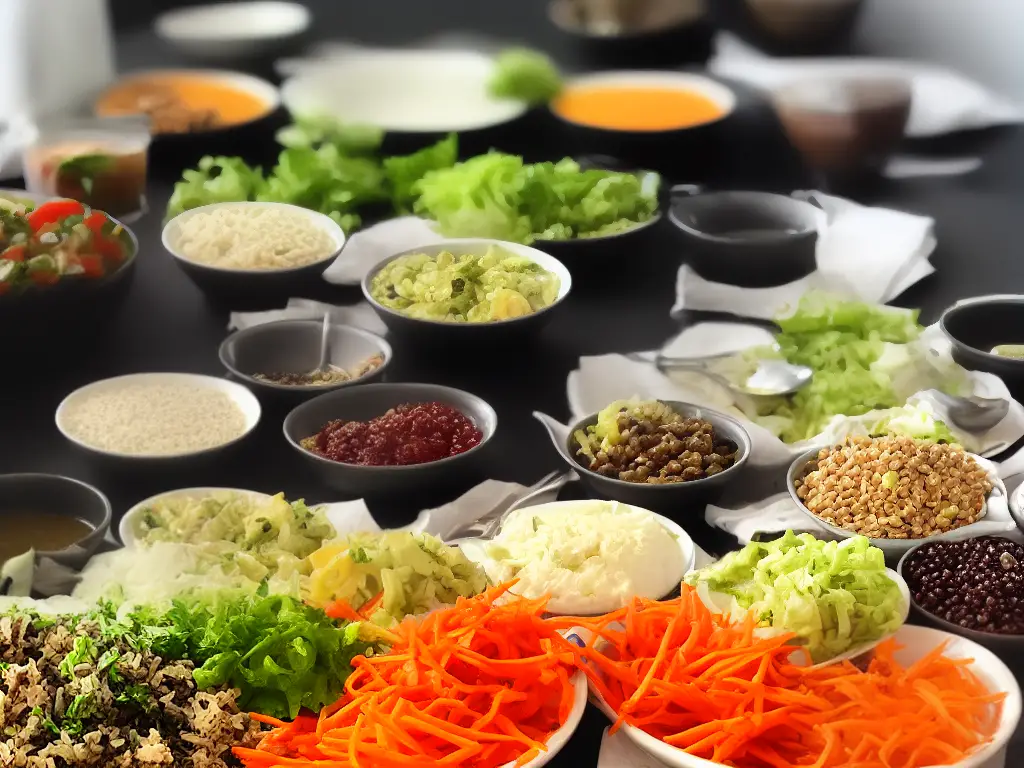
181	103
636	107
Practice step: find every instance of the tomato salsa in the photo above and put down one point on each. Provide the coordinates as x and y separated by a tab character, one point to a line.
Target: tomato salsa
58	241
407	434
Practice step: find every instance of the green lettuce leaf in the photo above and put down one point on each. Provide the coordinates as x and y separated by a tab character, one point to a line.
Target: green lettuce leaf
216	180
526	75
404	171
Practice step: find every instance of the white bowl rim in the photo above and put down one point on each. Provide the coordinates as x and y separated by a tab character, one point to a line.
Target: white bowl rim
242	397
478	401
717	91
561	737
336	68
126	530
297	15
1009	718
257	87
329	225
686	543
539	257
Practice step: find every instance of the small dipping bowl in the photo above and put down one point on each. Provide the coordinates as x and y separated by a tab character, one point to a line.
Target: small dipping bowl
57	495
130	528
750	239
846	127
978	325
636	34
682	502
367	402
803	27
293	346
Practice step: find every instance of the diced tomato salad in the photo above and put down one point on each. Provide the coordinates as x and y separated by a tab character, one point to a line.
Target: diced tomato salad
59	240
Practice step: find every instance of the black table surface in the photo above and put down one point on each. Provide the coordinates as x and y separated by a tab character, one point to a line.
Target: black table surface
167	325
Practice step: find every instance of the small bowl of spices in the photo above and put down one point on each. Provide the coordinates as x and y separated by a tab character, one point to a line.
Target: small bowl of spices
281	359
971	586
380	439
661	455
895	490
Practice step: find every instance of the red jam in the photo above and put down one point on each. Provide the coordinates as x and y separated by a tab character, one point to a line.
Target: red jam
407	434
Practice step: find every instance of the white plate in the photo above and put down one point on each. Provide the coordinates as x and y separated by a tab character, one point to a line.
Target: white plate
244	399
425	91
231	30
916	642
130	527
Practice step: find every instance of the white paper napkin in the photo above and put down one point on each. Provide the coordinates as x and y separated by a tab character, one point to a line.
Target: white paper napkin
870	254
944	101
359	315
604	379
370	246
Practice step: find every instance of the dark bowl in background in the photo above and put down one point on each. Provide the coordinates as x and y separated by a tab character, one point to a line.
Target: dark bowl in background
799	27
644	34
750	239
372	400
974	326
59	495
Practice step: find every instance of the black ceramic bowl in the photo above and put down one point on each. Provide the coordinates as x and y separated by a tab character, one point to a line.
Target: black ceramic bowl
750	239
293	346
656	33
253	288
368	402
678	501
491	334
801	27
991	640
975	326
684	153
57	495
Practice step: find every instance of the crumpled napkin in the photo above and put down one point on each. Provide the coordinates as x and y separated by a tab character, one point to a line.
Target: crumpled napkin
944	101
870	254
370	246
359	315
606	378
779	513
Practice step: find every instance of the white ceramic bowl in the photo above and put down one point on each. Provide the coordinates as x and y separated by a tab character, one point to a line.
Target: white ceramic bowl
244	399
233	30
916	642
473	549
130	528
402	91
561	737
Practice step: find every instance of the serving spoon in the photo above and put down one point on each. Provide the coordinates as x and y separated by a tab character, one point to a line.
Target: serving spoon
973	414
772	378
487	527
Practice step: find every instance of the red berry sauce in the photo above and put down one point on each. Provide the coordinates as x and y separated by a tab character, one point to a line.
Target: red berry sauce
413	433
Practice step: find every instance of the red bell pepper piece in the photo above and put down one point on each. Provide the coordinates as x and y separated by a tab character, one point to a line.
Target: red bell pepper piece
14	253
44	277
109	248
95	222
52	212
92	265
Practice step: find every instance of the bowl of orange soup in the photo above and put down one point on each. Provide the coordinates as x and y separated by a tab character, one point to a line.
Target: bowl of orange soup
648	118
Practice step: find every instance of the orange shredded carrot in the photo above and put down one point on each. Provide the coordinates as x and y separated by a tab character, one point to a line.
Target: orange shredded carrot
707	685
477	685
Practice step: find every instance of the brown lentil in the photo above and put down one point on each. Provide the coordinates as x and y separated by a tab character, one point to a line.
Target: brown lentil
894	487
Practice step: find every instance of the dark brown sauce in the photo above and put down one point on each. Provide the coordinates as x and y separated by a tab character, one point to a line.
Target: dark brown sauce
42	531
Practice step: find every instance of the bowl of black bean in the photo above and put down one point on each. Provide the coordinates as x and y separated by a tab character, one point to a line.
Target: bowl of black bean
971	586
670	457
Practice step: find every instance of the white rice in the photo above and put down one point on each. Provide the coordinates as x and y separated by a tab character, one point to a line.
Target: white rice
252	238
159	418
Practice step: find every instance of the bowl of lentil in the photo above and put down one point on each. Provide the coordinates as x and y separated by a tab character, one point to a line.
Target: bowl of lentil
670	457
276	358
250	253
158	417
971	586
387	439
897	491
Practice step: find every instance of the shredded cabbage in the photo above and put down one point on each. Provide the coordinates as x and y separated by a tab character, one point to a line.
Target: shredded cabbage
833	595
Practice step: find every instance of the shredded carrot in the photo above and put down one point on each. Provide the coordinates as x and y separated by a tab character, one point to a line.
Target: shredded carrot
707	685
477	685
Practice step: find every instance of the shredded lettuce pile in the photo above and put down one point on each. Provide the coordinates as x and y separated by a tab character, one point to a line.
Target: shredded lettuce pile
833	595
865	358
524	74
499	196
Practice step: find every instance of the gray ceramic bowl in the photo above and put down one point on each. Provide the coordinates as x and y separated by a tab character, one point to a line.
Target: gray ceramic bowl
493	333
293	346
59	495
677	501
991	640
751	239
372	400
975	326
893	548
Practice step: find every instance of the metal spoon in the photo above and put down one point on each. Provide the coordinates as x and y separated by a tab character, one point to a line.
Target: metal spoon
487	527
772	377
973	414
325	348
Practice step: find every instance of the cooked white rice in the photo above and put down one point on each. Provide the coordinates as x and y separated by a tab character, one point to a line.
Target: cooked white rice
153	418
252	238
